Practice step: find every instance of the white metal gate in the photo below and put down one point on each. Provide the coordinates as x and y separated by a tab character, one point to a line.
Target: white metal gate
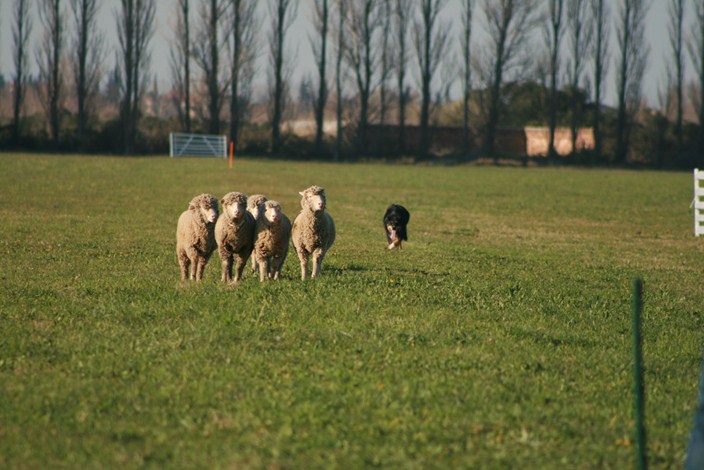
698	202
197	145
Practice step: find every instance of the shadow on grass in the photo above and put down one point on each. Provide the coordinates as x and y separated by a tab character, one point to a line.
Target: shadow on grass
541	338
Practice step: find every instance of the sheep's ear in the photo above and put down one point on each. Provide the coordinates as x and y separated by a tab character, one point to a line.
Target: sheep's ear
222	201
191	207
302	193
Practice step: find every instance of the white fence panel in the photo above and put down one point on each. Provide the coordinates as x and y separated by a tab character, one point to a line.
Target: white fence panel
197	145
698	202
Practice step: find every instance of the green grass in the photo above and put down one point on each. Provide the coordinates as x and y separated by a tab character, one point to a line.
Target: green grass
498	338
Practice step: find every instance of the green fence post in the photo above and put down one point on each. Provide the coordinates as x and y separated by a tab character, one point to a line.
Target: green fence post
639	402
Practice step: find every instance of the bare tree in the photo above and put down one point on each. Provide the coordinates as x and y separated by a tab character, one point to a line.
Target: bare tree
676	29
402	13
135	26
2	78
283	12
508	24
49	57
339	56
319	44
633	59
181	64
695	47
466	45
580	41
386	58
430	39
21	29
87	62
600	28
244	25
144	31
553	33
362	57
207	49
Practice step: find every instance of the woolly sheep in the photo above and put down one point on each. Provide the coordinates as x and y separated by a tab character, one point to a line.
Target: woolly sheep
195	236
313	230
255	204
234	234
272	239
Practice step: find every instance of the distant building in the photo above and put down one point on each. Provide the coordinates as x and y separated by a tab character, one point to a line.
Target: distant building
537	139
526	141
519	141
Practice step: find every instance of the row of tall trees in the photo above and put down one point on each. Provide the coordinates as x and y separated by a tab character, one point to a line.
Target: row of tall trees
379	49
84	49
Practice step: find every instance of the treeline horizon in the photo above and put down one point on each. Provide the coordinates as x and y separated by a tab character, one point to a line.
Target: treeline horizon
540	62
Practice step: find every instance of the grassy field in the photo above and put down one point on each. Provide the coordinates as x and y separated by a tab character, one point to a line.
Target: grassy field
498	338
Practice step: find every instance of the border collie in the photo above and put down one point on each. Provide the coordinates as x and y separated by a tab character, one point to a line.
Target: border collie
395	221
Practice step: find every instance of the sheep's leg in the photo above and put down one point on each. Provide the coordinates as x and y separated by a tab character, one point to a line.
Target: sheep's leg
200	263
199	268
184	263
194	268
239	268
318	256
303	257
263	269
194	262
203	261
226	266
276	268
255	268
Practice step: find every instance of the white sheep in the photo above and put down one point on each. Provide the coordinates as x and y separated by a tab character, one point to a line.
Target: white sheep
313	230
195	237
234	234
273	235
255	206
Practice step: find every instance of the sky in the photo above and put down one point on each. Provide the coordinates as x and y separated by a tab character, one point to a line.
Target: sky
298	42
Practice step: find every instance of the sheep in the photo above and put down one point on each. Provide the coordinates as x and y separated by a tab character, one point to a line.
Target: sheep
234	234
273	235
255	205
313	230
195	236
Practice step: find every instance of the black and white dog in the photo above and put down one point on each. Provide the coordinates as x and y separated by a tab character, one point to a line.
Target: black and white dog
395	221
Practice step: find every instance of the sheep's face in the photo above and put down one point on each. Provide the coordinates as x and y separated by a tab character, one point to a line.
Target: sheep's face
313	199
255	205
234	205
235	210
272	211
209	213
207	207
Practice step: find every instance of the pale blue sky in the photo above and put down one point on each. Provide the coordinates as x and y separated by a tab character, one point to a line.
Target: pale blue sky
656	33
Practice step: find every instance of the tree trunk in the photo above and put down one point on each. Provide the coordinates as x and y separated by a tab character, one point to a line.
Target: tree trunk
277	48
402	15
338	76
187	64
467	85
213	82
554	38
322	85
599	14
21	31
